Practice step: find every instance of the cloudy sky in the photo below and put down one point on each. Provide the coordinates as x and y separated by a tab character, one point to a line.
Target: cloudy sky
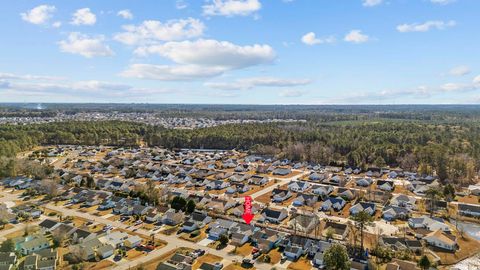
241	51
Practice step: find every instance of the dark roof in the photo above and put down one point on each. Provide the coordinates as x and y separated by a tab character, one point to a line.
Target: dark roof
82	234
271	213
198	216
48	223
469	207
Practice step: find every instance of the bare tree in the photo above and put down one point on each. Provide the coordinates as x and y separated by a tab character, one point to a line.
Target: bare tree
50	187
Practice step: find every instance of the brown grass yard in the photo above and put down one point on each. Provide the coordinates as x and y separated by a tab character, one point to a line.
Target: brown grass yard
265	198
244	250
104	264
236	266
275	256
198	238
468	247
152	264
208	258
133	254
469	199
301	264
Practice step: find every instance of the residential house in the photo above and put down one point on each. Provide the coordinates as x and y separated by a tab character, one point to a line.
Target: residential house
474	189
401	200
140	210
33	243
303	222
220	205
171	217
321	247
42	260
105	251
7	260
281	171
335	203
197	221
273	215
470	210
397	243
220	227
317	177
393	212
133	241
239	210
48	225
385	185
298	186
305	199
397	264
238	187
429	223
368	207
280	195
258	180
295	246
364	182
347	194
266	239
217	185
442	240
241	234
340	231
322	190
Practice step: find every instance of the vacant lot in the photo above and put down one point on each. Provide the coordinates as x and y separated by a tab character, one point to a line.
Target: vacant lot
208	258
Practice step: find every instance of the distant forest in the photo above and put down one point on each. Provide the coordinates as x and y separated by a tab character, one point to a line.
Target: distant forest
318	113
429	140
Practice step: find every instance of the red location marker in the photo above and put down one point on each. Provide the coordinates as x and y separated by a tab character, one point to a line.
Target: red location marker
247	207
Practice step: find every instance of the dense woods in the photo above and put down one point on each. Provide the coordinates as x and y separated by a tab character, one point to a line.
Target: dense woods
450	149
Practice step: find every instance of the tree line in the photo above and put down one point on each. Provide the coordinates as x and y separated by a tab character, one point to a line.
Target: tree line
451	150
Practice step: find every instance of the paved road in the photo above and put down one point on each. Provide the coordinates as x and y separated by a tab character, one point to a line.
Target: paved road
281	182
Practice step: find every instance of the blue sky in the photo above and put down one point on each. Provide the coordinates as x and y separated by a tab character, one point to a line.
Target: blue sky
241	51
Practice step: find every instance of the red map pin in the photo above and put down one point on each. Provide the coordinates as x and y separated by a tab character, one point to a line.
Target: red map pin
247	207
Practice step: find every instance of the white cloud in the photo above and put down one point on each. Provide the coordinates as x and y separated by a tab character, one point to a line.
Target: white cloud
442	2
231	8
249	83
84	16
57	24
450	87
38	15
11	76
291	93
311	39
460	71
199	59
212	53
126	14
356	36
171	73
21	84
87	46
426	26
181	4
154	31
476	81
371	3
420	92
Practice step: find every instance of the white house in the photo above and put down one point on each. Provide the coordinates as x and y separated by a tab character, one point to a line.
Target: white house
429	223
442	240
298	186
